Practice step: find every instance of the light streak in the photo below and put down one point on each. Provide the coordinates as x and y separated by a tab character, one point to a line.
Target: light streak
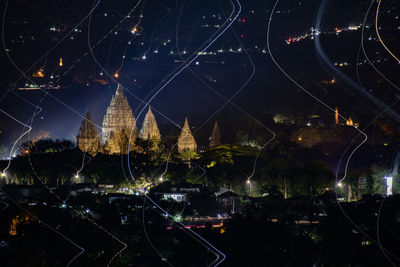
304	89
49	50
148	238
378	235
379	36
365	53
354	85
320	101
361	132
212	40
16	141
23	73
155	27
100	40
53	229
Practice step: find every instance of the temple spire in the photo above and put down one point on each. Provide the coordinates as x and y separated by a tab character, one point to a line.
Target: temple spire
215	139
88	140
117	124
150	129
186	140
119	90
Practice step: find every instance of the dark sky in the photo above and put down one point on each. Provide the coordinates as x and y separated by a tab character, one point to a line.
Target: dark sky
36	34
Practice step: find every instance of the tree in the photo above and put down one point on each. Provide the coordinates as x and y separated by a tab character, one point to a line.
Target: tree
187	155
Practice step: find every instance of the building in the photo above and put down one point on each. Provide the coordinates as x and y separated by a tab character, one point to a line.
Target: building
215	139
117	125
186	140
88	139
149	130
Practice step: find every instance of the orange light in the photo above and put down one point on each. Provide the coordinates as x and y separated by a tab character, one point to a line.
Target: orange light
299	138
116	75
61	62
333	81
349	122
38	74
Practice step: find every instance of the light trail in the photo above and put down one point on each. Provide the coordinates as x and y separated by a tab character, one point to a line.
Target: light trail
5	203
218	260
354	85
365	53
148	238
379	36
226	99
78	212
23	73
155	27
48	51
378	236
53	229
100	40
302	88
386	110
16	141
324	104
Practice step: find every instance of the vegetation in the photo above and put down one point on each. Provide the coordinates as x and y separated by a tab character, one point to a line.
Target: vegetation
274	172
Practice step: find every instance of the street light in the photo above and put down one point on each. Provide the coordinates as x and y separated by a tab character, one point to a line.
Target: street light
340	184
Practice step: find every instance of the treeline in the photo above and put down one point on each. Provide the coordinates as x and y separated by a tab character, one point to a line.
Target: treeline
285	169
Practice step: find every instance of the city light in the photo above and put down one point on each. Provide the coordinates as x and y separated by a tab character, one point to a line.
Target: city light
340	184
389	185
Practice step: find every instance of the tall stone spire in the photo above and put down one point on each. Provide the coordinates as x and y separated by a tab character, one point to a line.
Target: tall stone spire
215	139
186	140
117	124
149	129
88	140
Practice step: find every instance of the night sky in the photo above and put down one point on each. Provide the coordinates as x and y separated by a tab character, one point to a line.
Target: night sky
140	42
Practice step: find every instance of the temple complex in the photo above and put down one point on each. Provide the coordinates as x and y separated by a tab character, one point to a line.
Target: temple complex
186	140
117	126
88	140
215	139
149	130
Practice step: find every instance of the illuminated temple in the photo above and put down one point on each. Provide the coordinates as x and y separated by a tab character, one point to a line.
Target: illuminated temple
88	139
186	140
117	126
215	138
149	129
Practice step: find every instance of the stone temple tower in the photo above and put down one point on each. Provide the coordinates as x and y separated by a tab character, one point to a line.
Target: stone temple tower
117	124
215	139
150	129
186	140
88	139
